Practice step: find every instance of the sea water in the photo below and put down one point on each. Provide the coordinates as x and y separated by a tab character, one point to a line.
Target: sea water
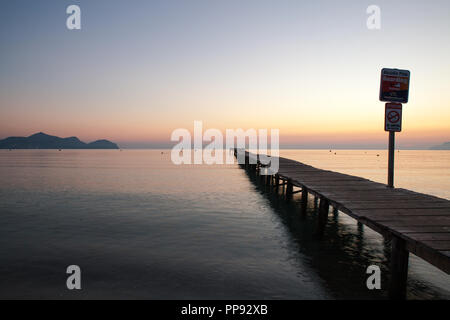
140	227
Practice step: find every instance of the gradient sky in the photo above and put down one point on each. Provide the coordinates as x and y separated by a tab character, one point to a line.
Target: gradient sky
140	69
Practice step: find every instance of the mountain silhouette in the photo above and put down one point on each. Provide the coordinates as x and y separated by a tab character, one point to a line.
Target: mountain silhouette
444	146
44	141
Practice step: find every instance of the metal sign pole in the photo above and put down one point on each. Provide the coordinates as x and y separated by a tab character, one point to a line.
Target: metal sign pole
391	159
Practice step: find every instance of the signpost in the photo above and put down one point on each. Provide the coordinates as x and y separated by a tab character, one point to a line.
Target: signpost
394	88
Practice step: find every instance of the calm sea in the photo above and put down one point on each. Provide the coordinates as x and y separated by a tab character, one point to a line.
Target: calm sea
140	227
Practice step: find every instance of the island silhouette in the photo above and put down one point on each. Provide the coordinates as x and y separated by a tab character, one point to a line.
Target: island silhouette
44	141
444	146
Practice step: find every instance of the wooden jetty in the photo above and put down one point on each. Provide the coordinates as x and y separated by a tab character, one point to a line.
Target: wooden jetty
413	222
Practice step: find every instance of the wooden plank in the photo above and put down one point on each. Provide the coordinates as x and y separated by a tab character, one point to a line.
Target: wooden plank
428	220
421	229
438	245
424	222
428	236
357	205
401	212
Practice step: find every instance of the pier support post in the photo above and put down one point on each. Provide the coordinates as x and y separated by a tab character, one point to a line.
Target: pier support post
399	269
323	216
304	201
261	176
335	214
289	190
316	202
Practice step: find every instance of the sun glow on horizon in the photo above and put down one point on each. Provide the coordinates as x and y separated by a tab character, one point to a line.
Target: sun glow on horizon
309	72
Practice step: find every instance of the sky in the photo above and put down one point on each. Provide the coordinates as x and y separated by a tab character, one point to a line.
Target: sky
137	70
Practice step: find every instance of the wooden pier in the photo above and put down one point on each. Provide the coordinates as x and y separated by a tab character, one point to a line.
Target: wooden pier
413	222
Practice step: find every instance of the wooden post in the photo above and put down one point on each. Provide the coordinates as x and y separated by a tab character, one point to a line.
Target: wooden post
277	182
304	201
335	214
399	269
261	176
289	190
268	180
323	216
360	231
316	202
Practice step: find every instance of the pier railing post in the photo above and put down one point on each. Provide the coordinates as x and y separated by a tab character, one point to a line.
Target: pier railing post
399	269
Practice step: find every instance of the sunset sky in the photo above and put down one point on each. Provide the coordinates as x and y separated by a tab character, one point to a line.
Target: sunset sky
137	70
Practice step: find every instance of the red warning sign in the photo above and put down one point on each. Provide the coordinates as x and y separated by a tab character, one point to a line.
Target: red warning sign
394	85
393	117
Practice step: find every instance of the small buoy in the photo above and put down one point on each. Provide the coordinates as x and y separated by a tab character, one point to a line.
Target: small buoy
335	153
378	155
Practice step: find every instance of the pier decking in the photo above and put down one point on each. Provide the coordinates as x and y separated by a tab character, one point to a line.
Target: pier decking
413	222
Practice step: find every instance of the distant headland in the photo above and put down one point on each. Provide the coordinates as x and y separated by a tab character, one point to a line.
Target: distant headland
444	146
44	141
